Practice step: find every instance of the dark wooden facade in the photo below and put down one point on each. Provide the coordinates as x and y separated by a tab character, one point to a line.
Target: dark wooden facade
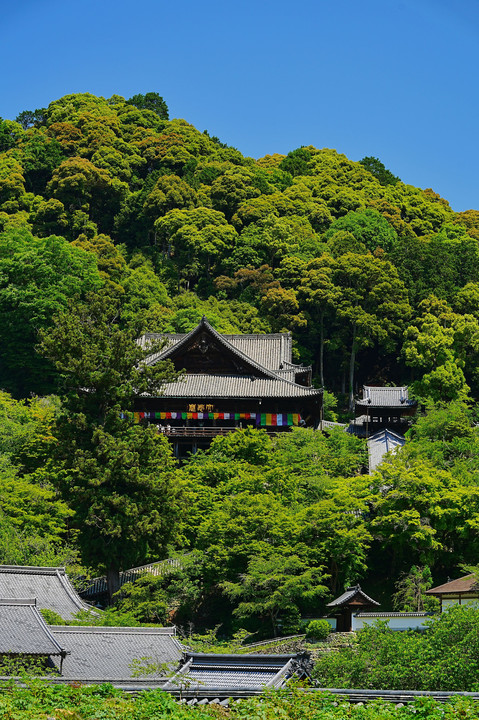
229	382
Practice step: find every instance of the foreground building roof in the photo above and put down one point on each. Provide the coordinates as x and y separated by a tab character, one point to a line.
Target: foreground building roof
212	675
109	654
49	585
23	630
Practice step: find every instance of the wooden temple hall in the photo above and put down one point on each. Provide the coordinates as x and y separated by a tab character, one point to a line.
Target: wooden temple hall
229	382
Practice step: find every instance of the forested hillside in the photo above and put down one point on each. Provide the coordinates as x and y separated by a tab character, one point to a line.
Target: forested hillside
378	281
354	262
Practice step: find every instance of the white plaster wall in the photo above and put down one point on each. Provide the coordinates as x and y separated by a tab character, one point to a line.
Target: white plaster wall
394	623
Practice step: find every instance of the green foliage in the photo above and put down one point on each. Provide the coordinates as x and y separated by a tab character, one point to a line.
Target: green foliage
145	599
444	657
447	437
368	227
376	279
88	166
51	617
270	588
318	630
27	118
111	616
274	522
150	101
330	403
296	162
37	279
410	591
34	521
380	172
39	701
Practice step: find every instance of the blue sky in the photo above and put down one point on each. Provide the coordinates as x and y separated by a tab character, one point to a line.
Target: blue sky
396	79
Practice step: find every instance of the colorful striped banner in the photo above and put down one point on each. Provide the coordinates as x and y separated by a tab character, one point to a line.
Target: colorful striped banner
262	419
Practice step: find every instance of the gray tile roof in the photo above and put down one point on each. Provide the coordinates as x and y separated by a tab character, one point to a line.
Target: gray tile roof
23	630
329	424
207	672
397	397
49	585
381	443
349	594
227	386
109	653
390	614
268	358
270	351
98	586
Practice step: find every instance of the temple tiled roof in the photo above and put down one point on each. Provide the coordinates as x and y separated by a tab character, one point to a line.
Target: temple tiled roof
268	357
465	584
390	614
392	397
240	386
49	585
349	594
208	672
272	351
23	630
111	653
381	443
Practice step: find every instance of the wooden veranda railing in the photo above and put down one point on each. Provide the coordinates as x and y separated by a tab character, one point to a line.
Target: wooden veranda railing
207	432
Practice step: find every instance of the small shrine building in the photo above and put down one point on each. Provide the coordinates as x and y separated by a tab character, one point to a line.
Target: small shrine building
228	382
352	601
381	408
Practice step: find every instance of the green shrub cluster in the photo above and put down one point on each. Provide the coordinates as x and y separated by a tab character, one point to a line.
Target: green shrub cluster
444	657
40	701
318	630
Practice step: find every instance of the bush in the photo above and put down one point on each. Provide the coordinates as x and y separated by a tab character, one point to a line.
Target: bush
444	657
318	630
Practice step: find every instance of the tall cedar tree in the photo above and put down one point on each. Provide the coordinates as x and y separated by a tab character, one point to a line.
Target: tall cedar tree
119	478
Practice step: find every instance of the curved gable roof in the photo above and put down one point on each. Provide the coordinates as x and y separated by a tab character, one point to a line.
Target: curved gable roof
204	326
264	373
353	592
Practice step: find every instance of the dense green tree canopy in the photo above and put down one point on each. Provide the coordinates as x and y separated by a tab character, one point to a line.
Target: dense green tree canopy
38	276
376	280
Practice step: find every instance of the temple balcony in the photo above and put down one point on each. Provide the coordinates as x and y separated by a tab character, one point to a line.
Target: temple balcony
209	432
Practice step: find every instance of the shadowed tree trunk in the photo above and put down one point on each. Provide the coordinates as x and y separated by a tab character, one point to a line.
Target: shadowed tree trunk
352	362
112	581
